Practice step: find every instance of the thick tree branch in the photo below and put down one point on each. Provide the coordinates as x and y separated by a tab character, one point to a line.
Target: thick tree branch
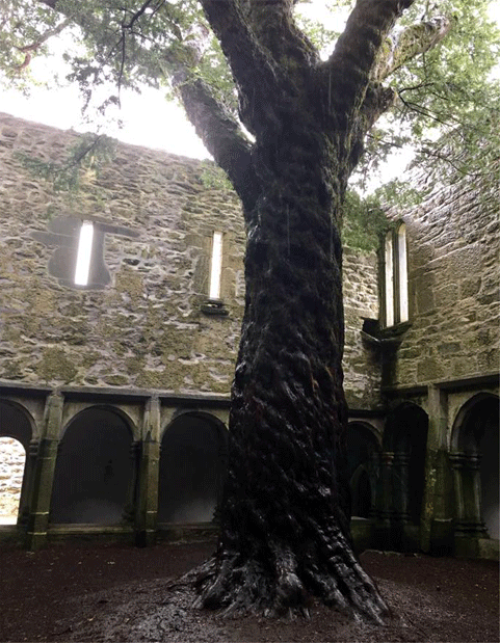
351	63
220	133
273	23
409	43
45	36
252	69
378	99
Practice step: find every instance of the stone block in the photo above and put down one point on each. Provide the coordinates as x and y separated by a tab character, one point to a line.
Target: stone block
429	370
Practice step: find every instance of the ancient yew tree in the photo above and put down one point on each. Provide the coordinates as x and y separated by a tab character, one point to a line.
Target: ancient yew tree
285	514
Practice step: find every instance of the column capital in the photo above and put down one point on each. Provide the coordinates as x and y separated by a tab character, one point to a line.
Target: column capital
53	414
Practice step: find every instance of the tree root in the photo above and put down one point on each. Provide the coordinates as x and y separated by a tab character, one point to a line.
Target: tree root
285	581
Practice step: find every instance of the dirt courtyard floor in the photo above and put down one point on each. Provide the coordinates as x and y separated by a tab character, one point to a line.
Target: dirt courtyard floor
120	593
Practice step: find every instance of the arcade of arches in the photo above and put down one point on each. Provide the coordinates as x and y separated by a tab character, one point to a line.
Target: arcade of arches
146	465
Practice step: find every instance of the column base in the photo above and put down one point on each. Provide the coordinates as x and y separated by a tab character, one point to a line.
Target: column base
441	542
145	538
35	541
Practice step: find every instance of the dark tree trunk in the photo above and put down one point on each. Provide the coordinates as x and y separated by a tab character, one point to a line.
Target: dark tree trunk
284	520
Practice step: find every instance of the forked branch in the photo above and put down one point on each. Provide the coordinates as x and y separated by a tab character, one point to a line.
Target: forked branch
252	69
220	132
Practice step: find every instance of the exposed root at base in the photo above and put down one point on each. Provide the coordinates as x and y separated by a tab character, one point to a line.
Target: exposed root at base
237	586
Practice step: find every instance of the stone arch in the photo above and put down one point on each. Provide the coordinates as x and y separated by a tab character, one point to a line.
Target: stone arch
94	475
16	422
405	436
73	410
192	468
475	459
16	431
362	450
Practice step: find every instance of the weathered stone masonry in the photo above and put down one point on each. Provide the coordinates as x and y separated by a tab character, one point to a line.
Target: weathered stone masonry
135	371
445	362
146	329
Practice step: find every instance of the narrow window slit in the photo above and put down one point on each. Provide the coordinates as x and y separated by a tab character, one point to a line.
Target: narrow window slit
216	266
389	281
84	254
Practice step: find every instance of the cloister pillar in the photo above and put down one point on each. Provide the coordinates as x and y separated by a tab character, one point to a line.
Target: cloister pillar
384	510
437	519
401	487
148	475
43	477
467	485
28	482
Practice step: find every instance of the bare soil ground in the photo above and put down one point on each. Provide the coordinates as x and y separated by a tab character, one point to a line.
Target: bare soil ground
120	593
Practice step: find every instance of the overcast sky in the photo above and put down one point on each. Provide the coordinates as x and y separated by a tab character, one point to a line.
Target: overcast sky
148	119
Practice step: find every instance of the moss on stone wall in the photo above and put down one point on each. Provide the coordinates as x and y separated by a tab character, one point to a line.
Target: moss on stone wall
146	328
56	366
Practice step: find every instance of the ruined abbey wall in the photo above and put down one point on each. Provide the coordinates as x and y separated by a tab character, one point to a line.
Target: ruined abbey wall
149	326
143	353
145	328
453	270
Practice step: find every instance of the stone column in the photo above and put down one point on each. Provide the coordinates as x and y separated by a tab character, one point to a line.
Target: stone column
384	509
456	460
436	532
129	511
43	477
401	487
467	483
400	532
148	476
28	482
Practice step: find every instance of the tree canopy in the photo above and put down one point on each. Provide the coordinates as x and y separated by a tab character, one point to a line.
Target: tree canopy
443	99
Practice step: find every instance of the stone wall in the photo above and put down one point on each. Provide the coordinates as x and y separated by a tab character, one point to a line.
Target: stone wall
361	301
147	327
453	249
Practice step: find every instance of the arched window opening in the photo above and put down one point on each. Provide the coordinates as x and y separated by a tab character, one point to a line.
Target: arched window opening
389	280
12	465
402	275
192	470
15	471
94	470
216	267
475	459
396	302
406	437
84	253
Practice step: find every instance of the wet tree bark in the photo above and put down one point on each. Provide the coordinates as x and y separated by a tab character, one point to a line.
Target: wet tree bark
284	519
285	513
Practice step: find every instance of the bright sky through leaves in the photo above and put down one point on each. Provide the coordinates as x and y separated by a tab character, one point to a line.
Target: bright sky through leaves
148	119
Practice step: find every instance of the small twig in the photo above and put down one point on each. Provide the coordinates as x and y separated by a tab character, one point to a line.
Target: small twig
137	15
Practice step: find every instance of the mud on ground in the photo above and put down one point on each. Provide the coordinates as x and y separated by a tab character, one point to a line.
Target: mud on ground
119	593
